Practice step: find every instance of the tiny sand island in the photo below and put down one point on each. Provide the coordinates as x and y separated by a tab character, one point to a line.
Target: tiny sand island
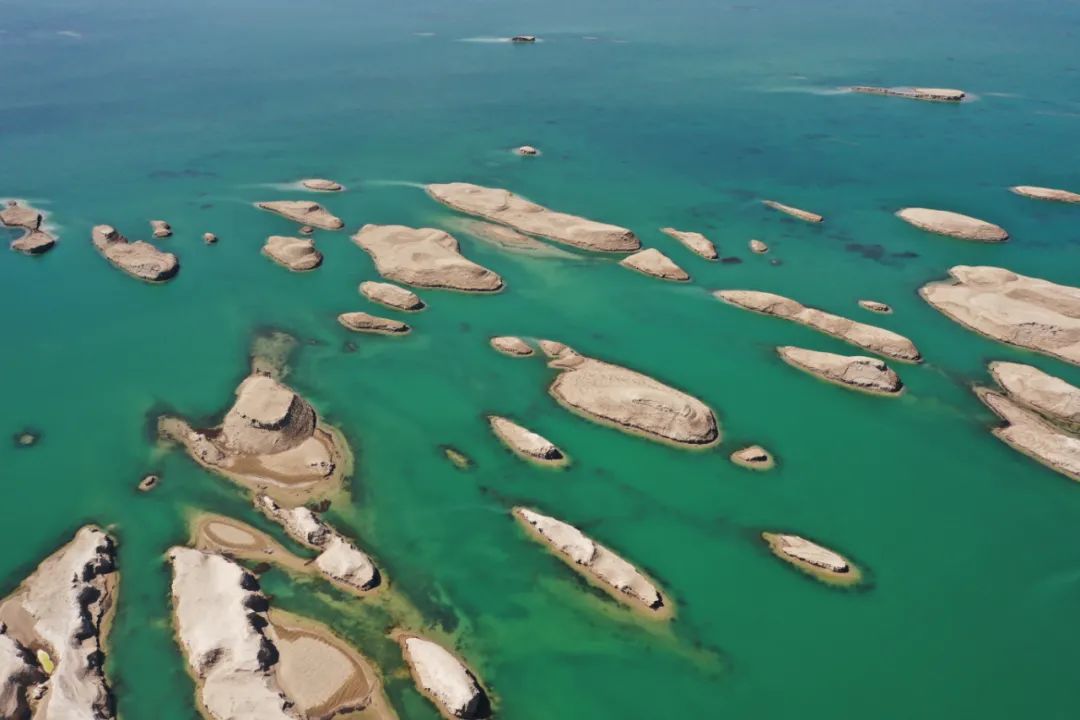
53	634
1011	308
34	241
363	322
295	254
804	215
444	679
526	151
270	441
391	296
322	185
253	663
597	563
758	247
139	259
875	307
628	400
503	206
303	212
753	457
694	241
512	346
1041	193
860	373
656	264
913	93
951	224
425	257
160	229
876	340
525	443
822	563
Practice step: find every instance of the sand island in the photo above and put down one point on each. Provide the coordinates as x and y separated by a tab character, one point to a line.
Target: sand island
867	374
139	259
425	257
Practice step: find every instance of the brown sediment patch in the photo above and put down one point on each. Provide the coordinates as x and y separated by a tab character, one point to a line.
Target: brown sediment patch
324	675
459	459
849	578
664	611
226	536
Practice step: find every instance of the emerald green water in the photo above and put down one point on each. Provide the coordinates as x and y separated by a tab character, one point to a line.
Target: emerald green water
681	114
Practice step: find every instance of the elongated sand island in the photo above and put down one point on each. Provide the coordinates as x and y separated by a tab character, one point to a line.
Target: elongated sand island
53	632
322	185
811	558
868	337
425	257
1051	397
339	559
139	259
366	323
1012	308
391	296
296	254
655	264
867	374
303	212
597	563
628	400
444	678
1032	434
804	215
525	443
953	224
1043	193
694	241
913	93
271	441
253	663
34	240
503	206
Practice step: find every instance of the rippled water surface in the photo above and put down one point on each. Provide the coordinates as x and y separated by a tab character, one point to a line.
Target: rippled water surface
649	114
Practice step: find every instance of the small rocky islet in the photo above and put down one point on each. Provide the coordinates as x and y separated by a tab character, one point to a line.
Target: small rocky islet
295	254
857	372
34	240
139	259
694	241
424	257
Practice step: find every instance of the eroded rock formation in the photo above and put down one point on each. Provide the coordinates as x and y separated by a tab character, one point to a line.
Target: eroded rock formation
425	257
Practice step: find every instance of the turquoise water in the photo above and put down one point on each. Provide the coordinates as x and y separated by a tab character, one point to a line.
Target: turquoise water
680	114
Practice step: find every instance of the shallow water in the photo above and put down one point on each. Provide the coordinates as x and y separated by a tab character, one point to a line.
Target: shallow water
681	114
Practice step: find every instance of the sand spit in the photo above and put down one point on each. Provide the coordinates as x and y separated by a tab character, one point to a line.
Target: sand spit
444	679
876	340
875	307
914	93
425	257
794	212
322	185
860	373
753	457
694	241
1012	308
138	259
1031	434
512	346
363	322
525	443
502	206
552	348
1041	193
758	247
295	254
656	264
303	212
506	238
951	224
391	296
630	401
812	558
596	562
270	441
53	631
34	241
160	229
1051	397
